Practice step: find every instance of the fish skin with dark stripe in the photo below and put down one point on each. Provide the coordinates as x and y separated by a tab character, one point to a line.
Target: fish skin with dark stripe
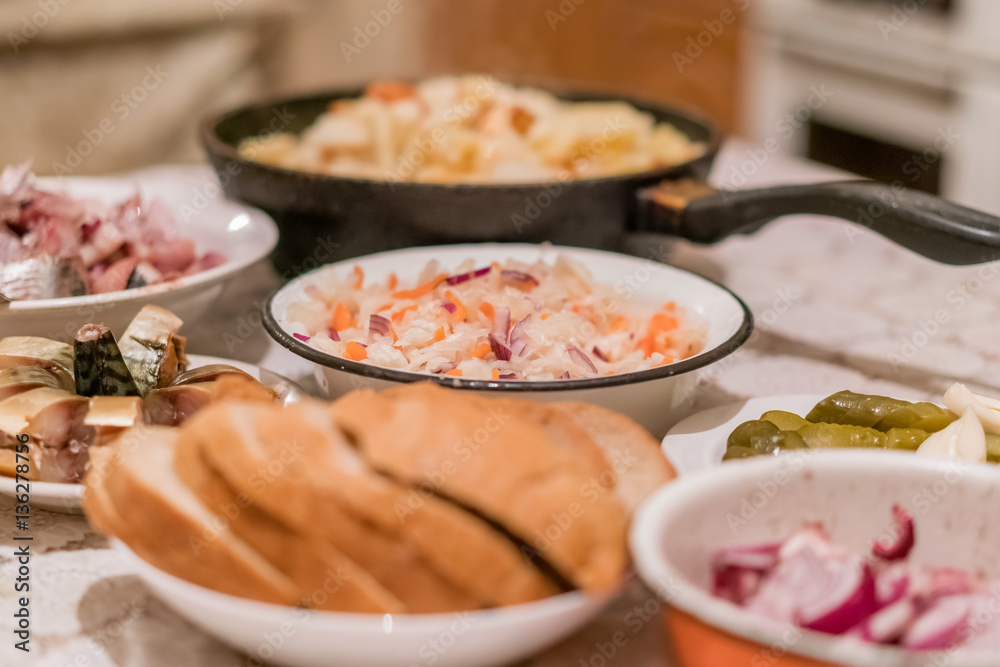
99	366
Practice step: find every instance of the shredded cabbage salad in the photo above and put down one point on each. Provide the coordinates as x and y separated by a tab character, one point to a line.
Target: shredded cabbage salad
510	321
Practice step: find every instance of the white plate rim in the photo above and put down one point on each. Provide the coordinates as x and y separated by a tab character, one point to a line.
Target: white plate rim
70	495
370	624
697	442
279	329
149	181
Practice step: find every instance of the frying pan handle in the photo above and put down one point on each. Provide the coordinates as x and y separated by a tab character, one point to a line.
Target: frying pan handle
928	225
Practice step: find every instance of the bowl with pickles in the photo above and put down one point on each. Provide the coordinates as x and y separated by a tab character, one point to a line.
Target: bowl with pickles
964	427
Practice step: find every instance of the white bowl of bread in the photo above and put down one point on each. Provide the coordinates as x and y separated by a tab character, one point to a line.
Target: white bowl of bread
417	526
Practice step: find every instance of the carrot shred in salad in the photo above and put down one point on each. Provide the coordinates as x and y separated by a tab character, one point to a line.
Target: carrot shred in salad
510	321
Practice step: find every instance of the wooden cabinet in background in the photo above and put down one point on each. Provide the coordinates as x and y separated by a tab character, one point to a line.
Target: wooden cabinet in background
675	51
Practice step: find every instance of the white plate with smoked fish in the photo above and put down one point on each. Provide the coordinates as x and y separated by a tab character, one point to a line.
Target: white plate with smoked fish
69	398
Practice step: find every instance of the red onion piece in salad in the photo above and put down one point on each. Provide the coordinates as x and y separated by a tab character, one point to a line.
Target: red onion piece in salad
509	276
518	339
578	355
508	376
499	348
902	541
301	337
88	229
501	324
449	306
464	277
600	355
332	333
378	325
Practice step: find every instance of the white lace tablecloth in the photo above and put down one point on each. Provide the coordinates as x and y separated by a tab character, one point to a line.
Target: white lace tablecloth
836	307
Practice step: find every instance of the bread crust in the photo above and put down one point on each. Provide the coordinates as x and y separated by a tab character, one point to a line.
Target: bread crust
500	465
241	442
325	577
134	494
634	457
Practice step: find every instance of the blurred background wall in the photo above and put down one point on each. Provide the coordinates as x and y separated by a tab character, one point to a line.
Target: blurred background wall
899	90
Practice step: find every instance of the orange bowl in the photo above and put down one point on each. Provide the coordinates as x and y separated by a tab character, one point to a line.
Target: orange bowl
851	493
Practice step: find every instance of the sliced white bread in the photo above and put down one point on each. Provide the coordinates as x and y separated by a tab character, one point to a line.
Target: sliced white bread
325	577
134	494
278	458
632	454
498	464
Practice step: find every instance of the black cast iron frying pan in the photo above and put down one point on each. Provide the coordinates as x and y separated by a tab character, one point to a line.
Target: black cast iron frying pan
326	218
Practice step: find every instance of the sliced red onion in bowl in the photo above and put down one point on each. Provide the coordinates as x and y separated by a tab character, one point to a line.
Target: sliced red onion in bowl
578	355
752	557
332	333
880	598
465	277
889	623
735	584
499	348
940	626
501	324
600	355
508	376
301	337
947	581
509	276
892	585
902	541
449	306
518	339
379	325
850	602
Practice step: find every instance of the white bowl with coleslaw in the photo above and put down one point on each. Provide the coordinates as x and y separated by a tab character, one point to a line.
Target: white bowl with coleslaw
644	383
